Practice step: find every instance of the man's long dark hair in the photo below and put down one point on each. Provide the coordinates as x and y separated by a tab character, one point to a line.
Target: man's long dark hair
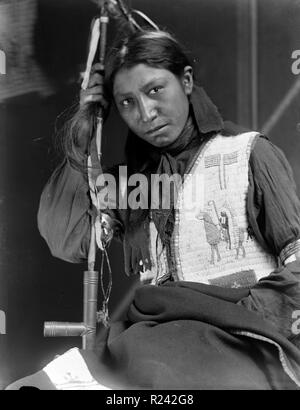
157	49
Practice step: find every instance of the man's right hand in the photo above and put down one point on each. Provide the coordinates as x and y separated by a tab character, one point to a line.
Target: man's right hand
95	90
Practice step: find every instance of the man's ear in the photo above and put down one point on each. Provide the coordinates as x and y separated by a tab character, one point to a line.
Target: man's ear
187	80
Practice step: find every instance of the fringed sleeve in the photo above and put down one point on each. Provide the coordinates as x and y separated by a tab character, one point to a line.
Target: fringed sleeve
273	205
65	214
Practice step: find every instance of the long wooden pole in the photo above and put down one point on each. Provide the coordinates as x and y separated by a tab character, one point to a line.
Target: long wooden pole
87	328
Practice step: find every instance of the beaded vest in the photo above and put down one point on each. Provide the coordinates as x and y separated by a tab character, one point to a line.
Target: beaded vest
211	242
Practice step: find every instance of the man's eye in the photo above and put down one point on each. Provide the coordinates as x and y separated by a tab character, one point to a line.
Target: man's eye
155	90
125	103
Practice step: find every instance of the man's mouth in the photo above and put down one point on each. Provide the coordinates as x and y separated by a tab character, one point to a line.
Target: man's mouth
156	129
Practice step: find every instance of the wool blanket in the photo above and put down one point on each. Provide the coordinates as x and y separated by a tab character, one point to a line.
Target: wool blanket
185	335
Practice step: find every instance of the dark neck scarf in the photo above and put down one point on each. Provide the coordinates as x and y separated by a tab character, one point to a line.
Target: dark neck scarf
172	159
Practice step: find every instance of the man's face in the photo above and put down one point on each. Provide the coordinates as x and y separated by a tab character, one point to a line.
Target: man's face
153	102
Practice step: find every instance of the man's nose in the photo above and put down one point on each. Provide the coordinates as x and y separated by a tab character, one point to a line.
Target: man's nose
148	111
